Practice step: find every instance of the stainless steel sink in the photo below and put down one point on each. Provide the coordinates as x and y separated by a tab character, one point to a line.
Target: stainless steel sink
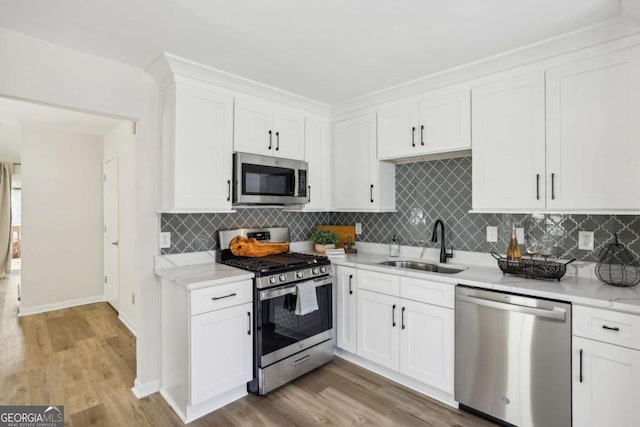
422	266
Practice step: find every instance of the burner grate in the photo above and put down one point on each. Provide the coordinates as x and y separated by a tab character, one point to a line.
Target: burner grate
275	263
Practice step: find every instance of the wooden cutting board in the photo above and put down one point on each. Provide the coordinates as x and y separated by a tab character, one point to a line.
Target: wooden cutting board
343	231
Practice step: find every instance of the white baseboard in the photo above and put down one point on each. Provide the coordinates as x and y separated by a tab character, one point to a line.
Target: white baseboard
434	393
126	322
141	390
59	305
193	412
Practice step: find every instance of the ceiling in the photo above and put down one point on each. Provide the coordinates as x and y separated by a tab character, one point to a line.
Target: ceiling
327	50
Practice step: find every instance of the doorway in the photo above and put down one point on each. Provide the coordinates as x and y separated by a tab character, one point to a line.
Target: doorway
111	234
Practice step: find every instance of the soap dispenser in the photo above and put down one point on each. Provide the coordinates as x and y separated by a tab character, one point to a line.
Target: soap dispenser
394	247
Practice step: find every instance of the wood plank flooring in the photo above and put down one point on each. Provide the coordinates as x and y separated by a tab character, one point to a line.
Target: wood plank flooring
84	358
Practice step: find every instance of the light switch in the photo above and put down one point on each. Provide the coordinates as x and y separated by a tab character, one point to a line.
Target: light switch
492	234
358	228
520	235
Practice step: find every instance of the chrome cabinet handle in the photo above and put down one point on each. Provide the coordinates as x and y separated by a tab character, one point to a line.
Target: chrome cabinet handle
402	317
350	290
553	186
537	186
223	297
422	135
611	328
371	193
413	136
580	365
228	190
393	316
249	329
270	135
277	141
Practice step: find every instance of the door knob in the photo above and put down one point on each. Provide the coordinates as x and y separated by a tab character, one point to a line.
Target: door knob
115	243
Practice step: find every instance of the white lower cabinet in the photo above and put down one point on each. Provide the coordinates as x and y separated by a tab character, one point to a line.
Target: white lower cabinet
378	329
606	375
346	308
426	343
409	336
206	344
213	371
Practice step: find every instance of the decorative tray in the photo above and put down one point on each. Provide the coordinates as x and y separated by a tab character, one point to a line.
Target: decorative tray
532	268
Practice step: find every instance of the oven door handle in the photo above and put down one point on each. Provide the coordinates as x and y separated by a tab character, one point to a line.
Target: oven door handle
291	289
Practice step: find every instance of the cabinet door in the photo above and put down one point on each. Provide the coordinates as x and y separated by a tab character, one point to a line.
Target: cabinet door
318	153
221	351
288	141
355	163
593	137
445	122
398	134
508	163
346	283
609	391
426	344
203	148
254	131
378	328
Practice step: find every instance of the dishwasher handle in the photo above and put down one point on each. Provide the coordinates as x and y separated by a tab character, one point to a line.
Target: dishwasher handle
556	313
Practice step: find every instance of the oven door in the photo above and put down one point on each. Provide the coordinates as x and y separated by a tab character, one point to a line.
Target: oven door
268	180
281	332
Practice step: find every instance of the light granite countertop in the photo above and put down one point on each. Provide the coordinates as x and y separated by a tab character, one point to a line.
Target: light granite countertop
199	269
579	290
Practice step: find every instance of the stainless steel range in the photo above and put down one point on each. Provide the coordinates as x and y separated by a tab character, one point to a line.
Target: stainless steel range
286	345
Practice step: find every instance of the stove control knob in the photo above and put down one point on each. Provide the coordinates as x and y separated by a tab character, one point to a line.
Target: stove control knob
299	274
283	277
314	270
323	270
273	280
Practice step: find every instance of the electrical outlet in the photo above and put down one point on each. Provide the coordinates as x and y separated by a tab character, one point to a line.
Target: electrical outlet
585	240
492	234
358	228
165	240
520	235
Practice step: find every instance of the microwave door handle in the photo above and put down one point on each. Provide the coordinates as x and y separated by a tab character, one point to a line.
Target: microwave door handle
293	188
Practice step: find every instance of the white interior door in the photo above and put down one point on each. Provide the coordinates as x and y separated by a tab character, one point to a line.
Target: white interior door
111	249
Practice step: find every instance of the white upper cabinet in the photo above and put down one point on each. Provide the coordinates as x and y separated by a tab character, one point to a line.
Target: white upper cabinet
593	133
318	154
437	122
267	128
508	161
197	147
361	182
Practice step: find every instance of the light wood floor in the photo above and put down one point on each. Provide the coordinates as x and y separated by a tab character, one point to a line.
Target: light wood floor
84	358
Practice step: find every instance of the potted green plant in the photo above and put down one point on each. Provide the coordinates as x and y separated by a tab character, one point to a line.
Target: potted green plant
323	240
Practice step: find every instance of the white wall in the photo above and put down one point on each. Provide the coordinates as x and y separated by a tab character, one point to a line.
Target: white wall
120	144
62	255
10	137
36	70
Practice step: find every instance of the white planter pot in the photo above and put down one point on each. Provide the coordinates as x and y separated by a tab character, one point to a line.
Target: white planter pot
321	249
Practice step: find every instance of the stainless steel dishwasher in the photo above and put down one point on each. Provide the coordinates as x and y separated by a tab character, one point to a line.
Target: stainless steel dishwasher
513	357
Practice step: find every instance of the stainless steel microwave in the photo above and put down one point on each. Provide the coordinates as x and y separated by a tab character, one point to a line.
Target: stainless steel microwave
265	180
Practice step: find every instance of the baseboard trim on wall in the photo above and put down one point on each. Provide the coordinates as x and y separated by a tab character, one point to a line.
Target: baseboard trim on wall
141	390
59	305
126	322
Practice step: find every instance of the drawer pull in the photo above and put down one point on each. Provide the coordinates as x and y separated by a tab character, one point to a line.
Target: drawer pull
301	360
223	297
611	328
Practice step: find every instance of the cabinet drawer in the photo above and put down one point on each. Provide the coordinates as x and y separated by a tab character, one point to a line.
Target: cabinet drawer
387	284
427	291
221	296
607	326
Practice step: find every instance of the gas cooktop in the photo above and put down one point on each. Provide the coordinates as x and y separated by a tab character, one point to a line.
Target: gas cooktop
273	264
